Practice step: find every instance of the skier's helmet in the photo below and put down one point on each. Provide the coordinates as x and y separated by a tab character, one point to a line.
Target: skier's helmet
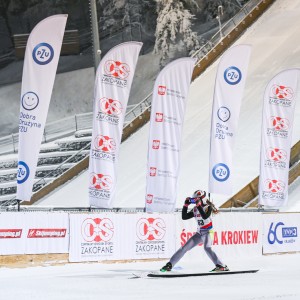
199	194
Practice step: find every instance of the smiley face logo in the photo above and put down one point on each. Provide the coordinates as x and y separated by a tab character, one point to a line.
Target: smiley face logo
224	113
30	101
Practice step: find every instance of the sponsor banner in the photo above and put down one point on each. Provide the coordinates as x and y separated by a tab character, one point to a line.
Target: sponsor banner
94	237
281	233
167	115
112	86
280	97
98	237
233	235
34	233
229	88
40	64
152	236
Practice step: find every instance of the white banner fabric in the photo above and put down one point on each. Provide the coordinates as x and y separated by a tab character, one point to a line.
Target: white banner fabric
233	235
281	233
280	97
40	65
112	86
229	88
167	116
97	237
34	233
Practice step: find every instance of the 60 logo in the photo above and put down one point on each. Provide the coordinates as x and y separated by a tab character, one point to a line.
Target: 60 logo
43	53
150	229
286	232
116	69
97	230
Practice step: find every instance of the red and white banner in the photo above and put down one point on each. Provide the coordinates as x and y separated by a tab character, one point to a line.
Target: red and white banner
34	233
280	97
233	235
281	233
112	86
40	64
229	88
98	237
167	115
152	236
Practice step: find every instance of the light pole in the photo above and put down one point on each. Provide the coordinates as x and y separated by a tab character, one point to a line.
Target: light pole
95	33
218	17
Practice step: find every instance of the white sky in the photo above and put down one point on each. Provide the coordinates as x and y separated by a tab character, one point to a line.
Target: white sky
275	47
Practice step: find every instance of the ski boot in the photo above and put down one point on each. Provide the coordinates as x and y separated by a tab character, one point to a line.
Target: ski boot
167	267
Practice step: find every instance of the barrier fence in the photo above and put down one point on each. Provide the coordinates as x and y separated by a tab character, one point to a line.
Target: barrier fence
145	236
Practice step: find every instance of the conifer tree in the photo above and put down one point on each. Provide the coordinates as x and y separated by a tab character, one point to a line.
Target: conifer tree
174	35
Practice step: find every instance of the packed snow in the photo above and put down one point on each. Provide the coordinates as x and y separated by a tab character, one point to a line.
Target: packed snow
277	278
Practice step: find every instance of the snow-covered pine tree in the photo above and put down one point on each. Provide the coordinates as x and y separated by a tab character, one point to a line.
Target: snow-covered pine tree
174	36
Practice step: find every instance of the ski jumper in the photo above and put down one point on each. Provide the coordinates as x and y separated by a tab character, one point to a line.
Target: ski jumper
203	218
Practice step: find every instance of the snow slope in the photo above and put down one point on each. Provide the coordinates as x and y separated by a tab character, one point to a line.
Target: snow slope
275	47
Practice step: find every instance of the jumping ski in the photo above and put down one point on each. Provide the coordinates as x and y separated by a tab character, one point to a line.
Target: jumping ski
178	274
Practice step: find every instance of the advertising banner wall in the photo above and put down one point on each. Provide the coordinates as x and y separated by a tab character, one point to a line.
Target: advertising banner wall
112	86
229	88
97	237
34	233
281	233
40	64
166	121
280	97
233	235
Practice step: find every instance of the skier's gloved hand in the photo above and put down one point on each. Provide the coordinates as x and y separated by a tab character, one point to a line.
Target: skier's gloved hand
187	201
199	201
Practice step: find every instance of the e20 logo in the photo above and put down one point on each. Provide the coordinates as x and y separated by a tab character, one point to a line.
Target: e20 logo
43	53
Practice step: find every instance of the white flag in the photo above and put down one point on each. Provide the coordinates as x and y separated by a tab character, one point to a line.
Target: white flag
112	86
229	88
40	65
280	98
167	115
